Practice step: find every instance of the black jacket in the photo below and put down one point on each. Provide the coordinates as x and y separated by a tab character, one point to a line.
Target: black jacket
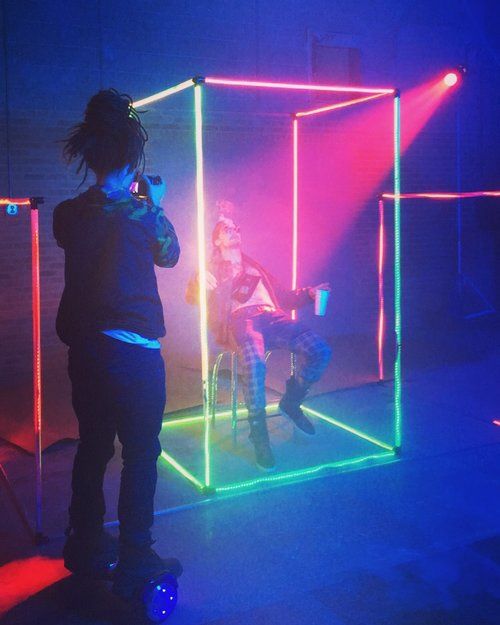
111	245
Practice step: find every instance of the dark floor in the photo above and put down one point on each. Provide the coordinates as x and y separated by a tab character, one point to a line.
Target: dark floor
414	541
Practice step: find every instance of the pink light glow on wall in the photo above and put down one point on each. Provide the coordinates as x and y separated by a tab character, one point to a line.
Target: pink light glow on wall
345	165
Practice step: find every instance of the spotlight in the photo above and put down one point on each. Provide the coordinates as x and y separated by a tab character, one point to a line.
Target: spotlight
453	77
450	79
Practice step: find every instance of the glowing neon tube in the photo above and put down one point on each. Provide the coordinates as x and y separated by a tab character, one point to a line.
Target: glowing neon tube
20	201
397	271
182	470
202	264
164	94
347	428
222	414
381	308
37	361
339	105
287	85
291	476
440	196
295	218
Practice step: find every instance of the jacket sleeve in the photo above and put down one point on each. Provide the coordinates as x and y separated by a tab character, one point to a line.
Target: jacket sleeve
290	299
166	249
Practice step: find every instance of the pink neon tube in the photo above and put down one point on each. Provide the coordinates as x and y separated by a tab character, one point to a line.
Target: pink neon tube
295	207
441	196
339	105
37	360
381	314
287	85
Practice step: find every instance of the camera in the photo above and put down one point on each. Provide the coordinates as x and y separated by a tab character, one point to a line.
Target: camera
139	187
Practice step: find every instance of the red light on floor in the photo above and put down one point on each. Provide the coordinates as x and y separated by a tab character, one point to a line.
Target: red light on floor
450	79
496	421
22	579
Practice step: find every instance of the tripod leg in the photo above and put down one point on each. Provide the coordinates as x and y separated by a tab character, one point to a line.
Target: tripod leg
12	496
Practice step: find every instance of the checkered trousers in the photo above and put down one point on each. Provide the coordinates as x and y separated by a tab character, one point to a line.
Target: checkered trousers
275	330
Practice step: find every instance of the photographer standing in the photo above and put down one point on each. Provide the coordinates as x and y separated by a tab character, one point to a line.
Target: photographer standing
111	317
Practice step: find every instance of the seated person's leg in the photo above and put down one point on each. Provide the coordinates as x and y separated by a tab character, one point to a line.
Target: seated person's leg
314	355
252	366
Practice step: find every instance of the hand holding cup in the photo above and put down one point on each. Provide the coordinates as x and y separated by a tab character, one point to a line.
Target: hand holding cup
320	294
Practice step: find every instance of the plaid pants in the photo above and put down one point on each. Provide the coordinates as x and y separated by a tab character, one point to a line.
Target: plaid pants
256	332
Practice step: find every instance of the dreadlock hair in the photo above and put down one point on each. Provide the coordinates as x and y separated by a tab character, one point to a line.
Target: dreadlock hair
110	137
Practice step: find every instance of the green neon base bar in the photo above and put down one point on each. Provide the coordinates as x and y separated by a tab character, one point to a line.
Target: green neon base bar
280	478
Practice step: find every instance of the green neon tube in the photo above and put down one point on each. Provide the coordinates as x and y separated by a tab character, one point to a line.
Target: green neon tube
202	271
348	428
293	475
182	470
397	271
223	414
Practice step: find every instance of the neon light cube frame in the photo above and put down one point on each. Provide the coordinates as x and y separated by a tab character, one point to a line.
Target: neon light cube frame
357	95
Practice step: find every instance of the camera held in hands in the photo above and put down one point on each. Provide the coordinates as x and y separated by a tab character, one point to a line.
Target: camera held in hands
140	188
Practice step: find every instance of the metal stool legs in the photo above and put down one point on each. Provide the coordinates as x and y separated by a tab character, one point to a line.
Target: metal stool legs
214	388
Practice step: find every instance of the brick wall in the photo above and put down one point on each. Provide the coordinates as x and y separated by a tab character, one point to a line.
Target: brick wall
55	54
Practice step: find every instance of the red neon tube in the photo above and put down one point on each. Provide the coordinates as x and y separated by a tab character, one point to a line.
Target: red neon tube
287	85
37	348
441	196
37	359
20	201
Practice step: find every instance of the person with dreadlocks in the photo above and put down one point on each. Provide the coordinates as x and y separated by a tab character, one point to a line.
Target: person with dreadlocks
111	317
248	312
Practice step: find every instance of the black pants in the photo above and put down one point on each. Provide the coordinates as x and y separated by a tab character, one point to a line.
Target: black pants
117	388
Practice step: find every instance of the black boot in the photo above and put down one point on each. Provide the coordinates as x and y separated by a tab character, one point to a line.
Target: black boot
91	555
290	405
136	566
259	436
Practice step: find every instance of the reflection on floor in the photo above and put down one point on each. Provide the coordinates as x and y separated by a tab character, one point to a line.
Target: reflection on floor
412	542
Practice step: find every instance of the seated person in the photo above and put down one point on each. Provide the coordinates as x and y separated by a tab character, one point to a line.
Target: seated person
247	314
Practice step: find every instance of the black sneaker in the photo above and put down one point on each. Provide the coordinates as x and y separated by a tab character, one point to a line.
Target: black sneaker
294	412
91	556
259	437
290	406
138	565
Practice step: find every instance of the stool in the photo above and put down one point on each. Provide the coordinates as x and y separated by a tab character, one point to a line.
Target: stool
213	390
